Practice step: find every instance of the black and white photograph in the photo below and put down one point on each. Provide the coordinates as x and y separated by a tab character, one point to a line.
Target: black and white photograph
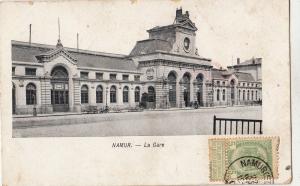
146	93
163	85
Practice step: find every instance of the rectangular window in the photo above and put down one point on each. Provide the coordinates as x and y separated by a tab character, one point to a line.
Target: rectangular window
99	76
13	70
30	71
125	77
84	75
137	78
112	76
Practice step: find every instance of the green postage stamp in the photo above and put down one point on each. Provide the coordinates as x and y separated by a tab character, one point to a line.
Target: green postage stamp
244	160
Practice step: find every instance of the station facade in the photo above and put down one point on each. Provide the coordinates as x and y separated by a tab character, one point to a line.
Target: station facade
163	71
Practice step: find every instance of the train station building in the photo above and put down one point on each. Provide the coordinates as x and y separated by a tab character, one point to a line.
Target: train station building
162	71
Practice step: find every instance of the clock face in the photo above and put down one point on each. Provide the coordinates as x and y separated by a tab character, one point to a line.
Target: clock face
186	43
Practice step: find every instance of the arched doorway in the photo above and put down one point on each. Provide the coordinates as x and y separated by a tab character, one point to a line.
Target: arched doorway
186	88
60	89
172	89
199	84
232	94
13	98
151	97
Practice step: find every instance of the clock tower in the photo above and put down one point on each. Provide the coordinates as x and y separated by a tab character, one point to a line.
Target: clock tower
181	34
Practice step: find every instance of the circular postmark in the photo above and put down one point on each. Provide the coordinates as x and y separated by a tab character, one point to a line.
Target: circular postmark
249	170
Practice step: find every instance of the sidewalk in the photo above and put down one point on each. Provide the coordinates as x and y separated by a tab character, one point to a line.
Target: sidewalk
145	110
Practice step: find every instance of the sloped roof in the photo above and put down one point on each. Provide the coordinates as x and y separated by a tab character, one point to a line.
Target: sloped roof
217	74
149	46
22	51
224	74
252	61
242	76
25	53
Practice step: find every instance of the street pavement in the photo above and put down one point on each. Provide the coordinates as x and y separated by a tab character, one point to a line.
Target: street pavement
147	123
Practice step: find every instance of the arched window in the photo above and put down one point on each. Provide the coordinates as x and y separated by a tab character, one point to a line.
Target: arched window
199	78
248	95
113	94
218	95
84	94
137	94
99	94
30	94
125	94
224	94
151	94
252	95
239	94
59	72
244	95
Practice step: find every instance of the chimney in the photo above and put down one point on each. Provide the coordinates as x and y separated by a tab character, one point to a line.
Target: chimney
179	12
238	60
187	14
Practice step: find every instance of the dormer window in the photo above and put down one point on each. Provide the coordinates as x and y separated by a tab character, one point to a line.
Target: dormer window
99	76
84	75
30	71
136	78
125	77
112	76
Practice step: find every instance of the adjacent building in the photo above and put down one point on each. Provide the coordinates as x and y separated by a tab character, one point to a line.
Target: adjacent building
163	71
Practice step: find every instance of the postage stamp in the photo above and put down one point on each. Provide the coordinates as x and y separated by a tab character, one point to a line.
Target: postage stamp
244	160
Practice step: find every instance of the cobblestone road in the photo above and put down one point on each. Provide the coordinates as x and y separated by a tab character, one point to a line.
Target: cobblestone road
147	123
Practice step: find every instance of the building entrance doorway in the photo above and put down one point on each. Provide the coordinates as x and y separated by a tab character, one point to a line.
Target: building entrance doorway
200	98
13	99
199	84
60	89
151	98
186	89
172	89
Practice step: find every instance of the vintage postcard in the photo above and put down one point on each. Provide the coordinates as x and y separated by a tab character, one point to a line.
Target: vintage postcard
145	92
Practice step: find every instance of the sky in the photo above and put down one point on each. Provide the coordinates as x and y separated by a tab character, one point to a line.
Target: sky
227	29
